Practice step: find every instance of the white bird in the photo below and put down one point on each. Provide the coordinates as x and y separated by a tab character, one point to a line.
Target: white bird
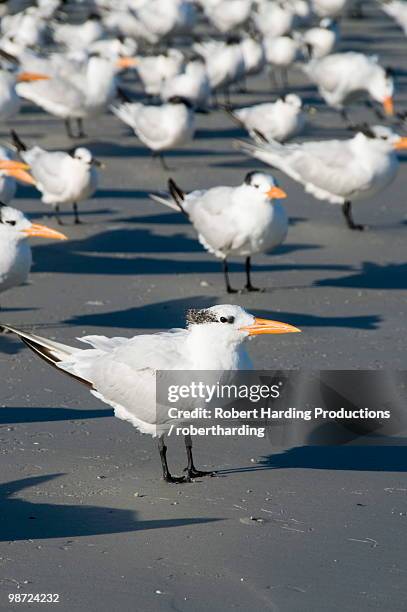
62	178
273	19
154	70
224	62
396	9
279	120
122	372
342	78
227	15
10	101
192	84
10	172
79	36
338	171
15	251
242	220
254	55
160	128
77	94
328	8
282	52
321	40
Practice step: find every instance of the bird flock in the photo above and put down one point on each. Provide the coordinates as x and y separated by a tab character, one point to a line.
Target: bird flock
155	65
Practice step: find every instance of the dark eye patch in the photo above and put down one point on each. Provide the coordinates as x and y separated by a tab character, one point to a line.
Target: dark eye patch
227	319
11	222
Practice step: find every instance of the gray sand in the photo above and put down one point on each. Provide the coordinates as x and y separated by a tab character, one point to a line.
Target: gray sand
85	513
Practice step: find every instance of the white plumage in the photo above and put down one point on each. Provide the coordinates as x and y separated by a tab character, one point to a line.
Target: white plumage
339	171
279	120
242	220
15	251
122	371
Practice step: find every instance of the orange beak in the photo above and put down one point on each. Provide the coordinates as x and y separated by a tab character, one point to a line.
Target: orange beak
22	176
25	77
275	193
388	105
126	62
401	143
11	164
266	326
42	231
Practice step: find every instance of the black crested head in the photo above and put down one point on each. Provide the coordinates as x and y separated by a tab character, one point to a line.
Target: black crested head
365	129
233	40
94	17
197	316
249	176
180	100
389	71
2	205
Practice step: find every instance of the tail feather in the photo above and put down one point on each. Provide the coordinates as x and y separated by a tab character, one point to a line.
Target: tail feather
50	351
165	201
17	142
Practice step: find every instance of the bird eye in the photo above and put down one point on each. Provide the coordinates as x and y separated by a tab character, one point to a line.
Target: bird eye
383	137
227	319
257	186
11	222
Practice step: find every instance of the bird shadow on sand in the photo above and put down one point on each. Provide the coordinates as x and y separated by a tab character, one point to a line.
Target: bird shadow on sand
171	313
103	254
375	458
9	346
371	276
113	149
9	416
25	520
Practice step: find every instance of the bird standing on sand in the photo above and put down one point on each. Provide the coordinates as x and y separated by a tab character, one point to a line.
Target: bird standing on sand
242	220
339	171
15	251
342	78
122	371
62	178
160	128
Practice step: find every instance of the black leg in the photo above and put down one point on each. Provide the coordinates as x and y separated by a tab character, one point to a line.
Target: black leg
75	210
161	158
57	217
227	96
68	128
347	212
191	470
81	131
163	455
249	286
226	274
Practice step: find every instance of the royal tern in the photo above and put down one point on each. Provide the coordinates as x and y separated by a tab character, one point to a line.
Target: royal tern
15	251
62	178
321	40
281	52
122	371
192	84
77	94
227	15
397	9
279	120
338	171
273	19
328	8
242	220
224	62
160	128
10	171
10	101
79	36
153	70
344	77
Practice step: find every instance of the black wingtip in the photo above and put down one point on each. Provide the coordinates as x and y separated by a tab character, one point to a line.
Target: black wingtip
17	142
177	195
260	135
